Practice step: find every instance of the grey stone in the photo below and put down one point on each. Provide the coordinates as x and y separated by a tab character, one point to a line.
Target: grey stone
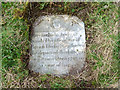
58	45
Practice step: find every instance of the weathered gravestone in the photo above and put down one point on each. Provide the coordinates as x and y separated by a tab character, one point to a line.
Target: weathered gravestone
57	45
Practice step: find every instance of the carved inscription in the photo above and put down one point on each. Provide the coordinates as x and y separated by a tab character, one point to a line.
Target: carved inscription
58	48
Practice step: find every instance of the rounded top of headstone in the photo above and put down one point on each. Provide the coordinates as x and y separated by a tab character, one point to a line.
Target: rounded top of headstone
57	45
61	19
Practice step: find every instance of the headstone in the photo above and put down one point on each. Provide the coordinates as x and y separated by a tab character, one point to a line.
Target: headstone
57	45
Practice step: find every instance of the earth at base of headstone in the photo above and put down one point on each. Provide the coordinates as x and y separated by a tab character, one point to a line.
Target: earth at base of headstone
58	45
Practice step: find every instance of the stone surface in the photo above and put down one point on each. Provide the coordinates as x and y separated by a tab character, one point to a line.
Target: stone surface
57	45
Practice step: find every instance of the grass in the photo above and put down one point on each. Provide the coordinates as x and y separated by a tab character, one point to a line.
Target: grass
101	22
13	30
104	44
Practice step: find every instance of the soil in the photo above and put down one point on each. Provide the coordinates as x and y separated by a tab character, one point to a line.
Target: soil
82	9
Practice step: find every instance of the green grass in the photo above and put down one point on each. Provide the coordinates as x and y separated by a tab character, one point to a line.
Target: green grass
102	49
105	55
14	42
61	83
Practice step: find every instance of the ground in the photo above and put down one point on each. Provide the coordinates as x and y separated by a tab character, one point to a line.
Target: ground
101	25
